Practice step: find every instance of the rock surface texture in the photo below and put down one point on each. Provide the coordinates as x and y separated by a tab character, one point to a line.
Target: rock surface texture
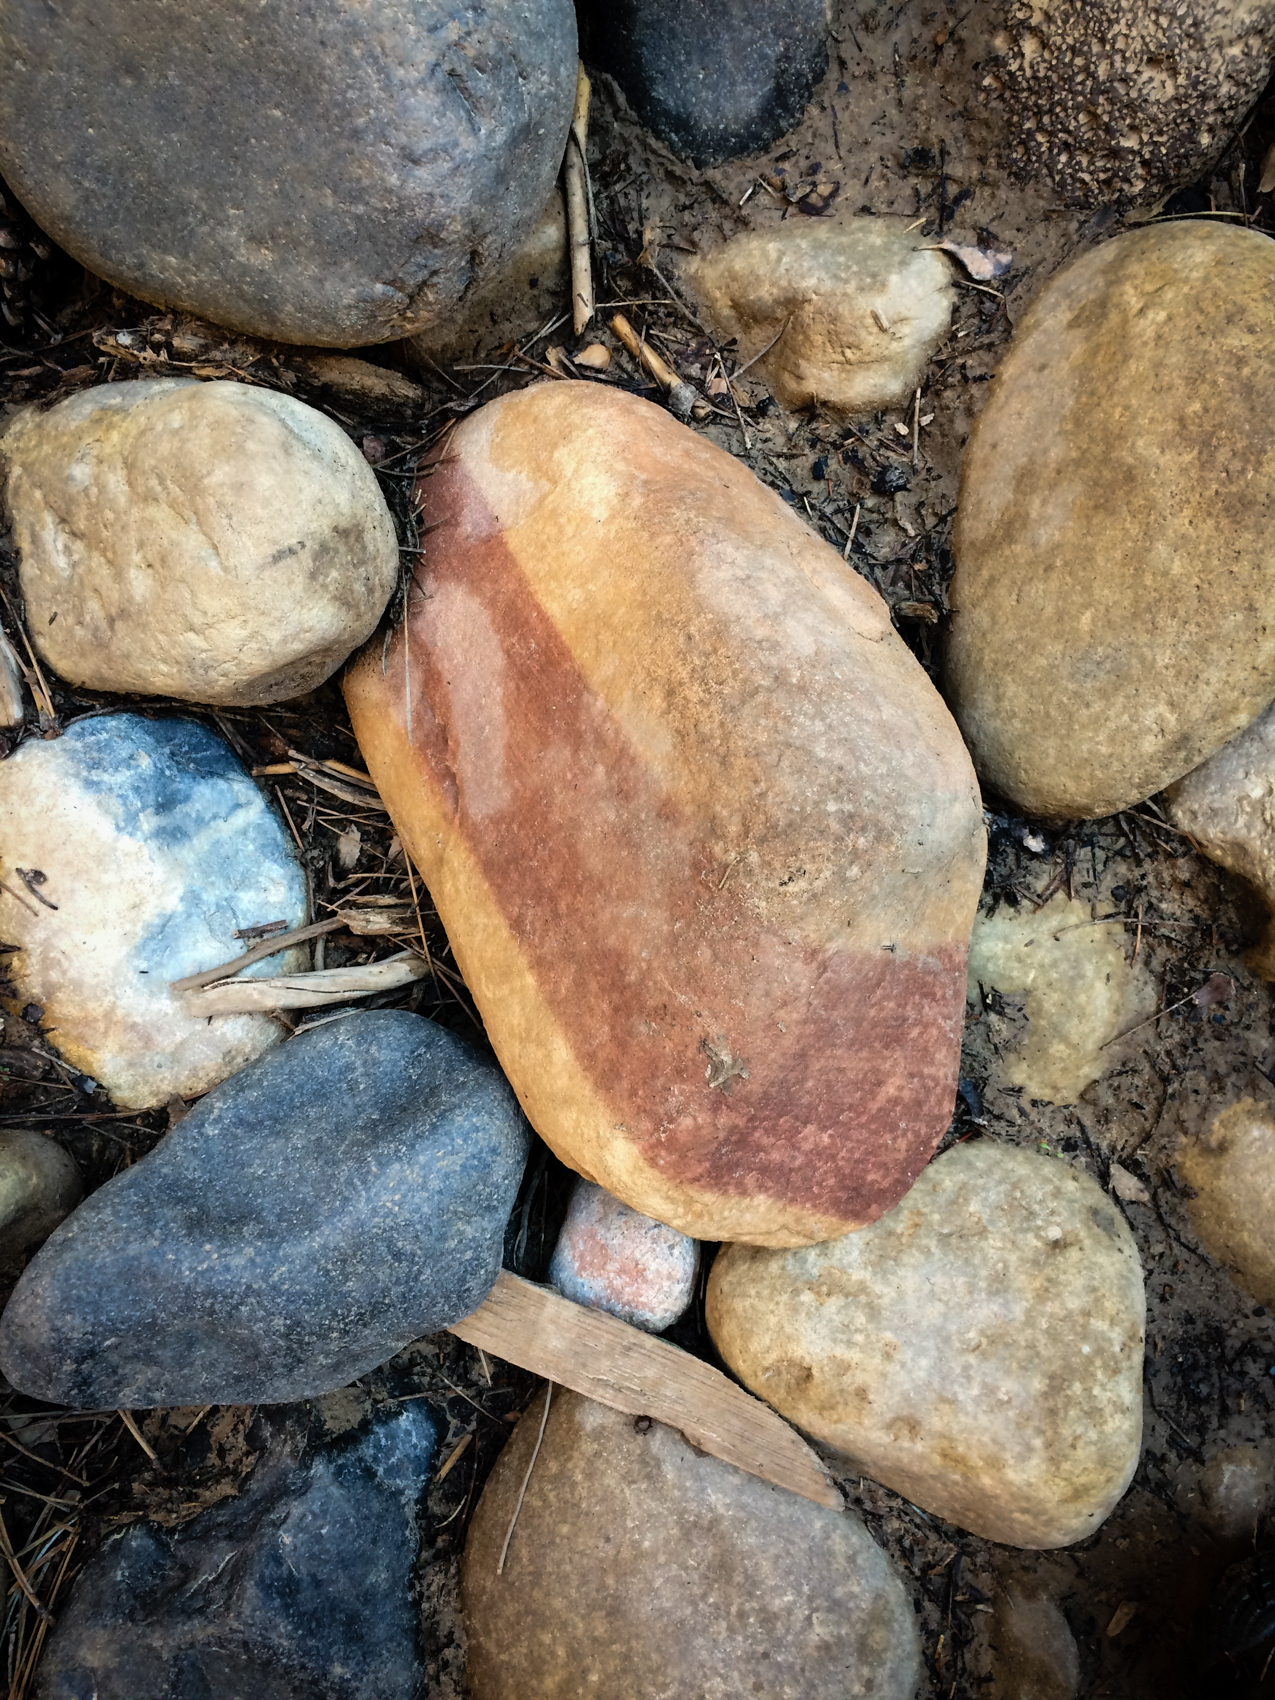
979	1349
338	175
703	836
39	1186
857	307
1115	99
271	1594
213	542
1231	1168
1112	602
345	1195
712	78
640	1568
615	1259
132	850
1227	804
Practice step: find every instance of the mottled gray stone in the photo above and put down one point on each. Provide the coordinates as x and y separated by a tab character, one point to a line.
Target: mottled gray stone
338	173
712	78
308	1218
39	1186
300	1589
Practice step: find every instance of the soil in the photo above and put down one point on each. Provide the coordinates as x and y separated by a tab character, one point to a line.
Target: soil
899	126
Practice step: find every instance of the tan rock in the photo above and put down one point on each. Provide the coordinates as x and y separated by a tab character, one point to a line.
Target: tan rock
39	1186
1035	1652
213	542
1078	989
861	305
1227	804
639	1569
979	1349
1113	606
703	836
1231	1167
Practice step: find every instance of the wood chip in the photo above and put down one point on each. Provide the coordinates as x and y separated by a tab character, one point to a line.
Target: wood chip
1128	1186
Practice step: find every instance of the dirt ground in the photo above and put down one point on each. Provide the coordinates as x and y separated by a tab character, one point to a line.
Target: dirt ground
900	128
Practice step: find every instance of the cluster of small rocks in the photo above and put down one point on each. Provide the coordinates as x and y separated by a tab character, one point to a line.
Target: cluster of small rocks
706	839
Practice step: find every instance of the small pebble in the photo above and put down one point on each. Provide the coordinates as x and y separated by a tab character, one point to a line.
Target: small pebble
595	358
39	1186
615	1259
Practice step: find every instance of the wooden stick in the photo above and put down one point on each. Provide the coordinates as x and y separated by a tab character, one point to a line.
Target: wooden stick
268	947
573	174
620	1366
307	991
681	395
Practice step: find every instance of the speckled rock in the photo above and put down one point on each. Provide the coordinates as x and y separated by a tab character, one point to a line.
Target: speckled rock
39	1186
308	1218
214	542
979	1349
712	78
861	305
1227	804
340	175
132	850
615	1259
1117	100
1113	607
269	1594
1230	1165
640	1568
703	835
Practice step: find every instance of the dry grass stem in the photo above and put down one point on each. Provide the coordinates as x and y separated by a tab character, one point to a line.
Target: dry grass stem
522	1492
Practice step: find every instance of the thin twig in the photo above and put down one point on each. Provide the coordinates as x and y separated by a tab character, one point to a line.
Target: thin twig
522	1494
126	1417
749	364
259	952
574	168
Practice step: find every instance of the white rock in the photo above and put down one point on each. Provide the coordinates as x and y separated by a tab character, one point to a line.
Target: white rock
861	304
978	1349
155	846
39	1186
615	1259
214	542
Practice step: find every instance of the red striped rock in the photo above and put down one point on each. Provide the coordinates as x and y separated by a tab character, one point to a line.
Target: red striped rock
704	837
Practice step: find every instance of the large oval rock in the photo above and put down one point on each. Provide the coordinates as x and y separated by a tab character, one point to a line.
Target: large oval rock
132	851
307	1219
340	174
213	542
1113	602
640	1568
979	1349
704	838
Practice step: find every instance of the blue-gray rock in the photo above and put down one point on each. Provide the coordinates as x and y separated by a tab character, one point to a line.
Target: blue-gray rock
713	78
345	1195
300	1589
341	172
131	851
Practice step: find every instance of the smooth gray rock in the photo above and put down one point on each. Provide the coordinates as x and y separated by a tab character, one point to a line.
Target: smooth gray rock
39	1186
300	1589
713	78
343	1196
338	173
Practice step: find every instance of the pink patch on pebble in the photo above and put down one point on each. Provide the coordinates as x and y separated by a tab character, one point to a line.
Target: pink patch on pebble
611	1258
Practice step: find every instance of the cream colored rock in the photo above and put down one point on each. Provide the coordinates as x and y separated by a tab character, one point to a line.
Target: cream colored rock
39	1186
641	1569
1113	602
979	1349
213	542
861	305
1080	993
1227	804
1231	1167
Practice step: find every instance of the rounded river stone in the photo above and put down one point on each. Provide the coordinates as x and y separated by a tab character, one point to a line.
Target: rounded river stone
338	173
309	1217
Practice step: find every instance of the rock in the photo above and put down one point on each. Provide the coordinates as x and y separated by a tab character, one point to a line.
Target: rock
1231	1167
1235	1488
1079	992
269	1593
861	305
1112	604
131	851
1036	1655
340	176
640	1568
1227	804
214	542
303	1222
714	80
39	1185
1113	100
12	707
614	1259
979	1349
703	836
